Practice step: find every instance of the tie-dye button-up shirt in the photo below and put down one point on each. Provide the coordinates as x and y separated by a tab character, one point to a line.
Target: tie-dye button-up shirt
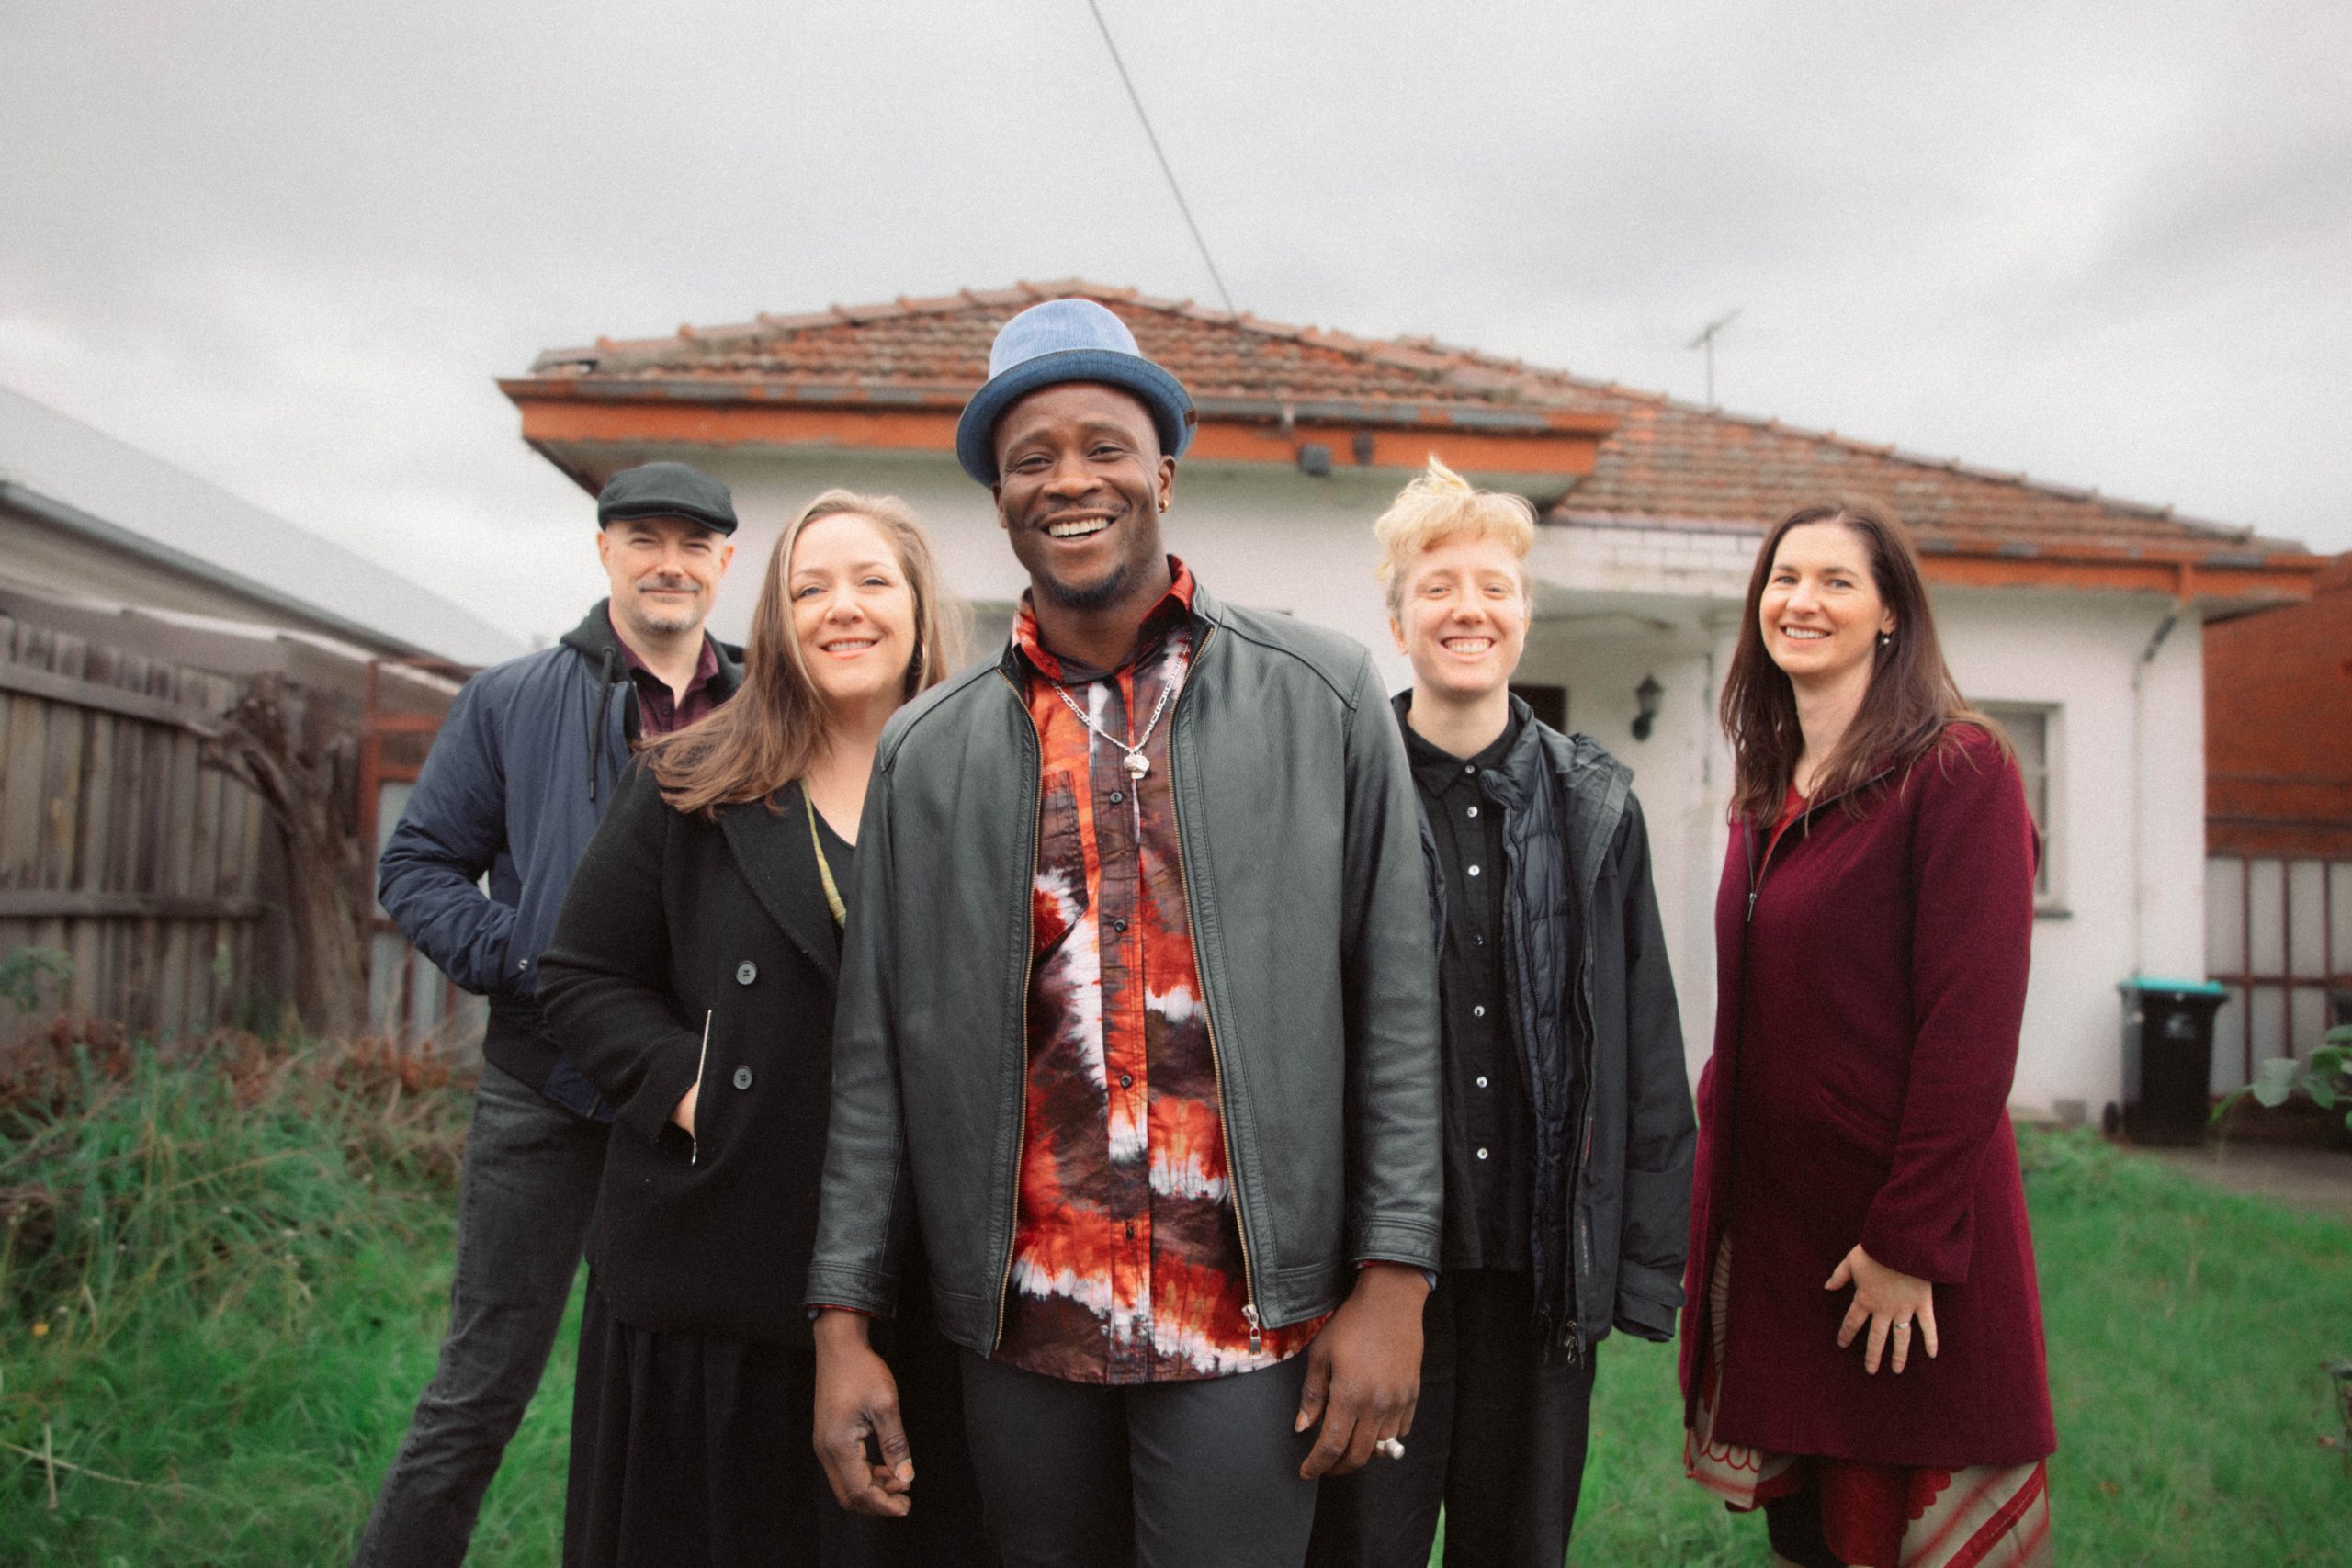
1126	1255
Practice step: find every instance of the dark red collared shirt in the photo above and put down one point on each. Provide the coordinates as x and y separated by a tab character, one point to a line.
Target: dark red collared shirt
1127	1265
658	710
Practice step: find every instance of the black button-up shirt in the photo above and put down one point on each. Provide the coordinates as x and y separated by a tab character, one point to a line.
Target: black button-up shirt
1484	1084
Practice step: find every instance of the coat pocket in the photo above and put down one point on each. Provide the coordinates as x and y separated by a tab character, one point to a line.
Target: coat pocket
1869	1130
702	1100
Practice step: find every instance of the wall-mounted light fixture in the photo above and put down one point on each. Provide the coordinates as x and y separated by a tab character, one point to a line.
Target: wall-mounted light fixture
1315	460
1645	696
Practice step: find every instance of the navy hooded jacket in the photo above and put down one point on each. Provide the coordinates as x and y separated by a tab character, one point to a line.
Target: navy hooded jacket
528	757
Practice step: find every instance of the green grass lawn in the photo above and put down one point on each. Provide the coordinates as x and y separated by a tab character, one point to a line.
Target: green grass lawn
226	1287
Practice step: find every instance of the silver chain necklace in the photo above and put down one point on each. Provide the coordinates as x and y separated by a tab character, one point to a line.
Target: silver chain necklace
1135	762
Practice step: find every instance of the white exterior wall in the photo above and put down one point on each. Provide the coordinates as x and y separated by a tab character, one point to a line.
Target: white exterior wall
1617	604
2129	802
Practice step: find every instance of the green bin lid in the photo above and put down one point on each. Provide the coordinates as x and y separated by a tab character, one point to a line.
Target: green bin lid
2183	988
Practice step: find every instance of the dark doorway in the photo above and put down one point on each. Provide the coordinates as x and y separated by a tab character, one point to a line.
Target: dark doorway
1550	703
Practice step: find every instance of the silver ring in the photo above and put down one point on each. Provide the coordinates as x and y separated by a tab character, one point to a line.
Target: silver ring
1903	1328
1390	1447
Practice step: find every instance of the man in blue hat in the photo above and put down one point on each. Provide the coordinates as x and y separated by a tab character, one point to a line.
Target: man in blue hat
1138	1006
520	774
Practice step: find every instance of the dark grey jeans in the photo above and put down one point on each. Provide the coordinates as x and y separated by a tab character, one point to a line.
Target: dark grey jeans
1498	1443
523	1206
1155	1475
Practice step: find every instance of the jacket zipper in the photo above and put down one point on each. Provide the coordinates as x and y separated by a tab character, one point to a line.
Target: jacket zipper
1028	952
694	1153
1748	839
1582	1263
1755	885
1208	1014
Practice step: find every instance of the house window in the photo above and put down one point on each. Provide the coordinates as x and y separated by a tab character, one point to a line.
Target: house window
2034	730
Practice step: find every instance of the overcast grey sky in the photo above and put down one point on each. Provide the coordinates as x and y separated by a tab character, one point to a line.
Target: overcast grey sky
289	245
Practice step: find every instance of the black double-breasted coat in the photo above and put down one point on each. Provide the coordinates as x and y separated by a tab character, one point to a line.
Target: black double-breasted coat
692	950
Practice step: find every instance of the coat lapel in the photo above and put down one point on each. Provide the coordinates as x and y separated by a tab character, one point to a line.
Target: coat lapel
773	851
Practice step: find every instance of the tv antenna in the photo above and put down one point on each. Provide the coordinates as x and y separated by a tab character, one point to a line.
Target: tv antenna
1706	340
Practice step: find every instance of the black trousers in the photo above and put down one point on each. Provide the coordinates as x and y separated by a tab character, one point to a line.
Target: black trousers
1497	1442
1156	1475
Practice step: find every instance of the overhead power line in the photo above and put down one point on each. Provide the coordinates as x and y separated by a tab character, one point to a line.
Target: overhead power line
1150	135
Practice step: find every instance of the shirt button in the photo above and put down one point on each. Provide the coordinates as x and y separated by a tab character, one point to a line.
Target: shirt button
1479	1011
1482	1153
1482	1081
1477	938
1116	797
1474	811
746	972
743	1080
1118	925
1126	1080
1467	768
1473	871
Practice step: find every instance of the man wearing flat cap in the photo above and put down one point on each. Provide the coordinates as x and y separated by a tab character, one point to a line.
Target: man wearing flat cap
1138	1006
525	764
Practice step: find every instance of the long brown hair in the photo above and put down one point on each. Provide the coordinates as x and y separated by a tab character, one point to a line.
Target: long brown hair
773	727
1910	700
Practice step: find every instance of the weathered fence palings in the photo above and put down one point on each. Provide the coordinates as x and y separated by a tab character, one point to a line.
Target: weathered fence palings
118	847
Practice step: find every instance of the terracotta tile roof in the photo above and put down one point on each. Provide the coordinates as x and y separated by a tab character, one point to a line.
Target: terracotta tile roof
1666	462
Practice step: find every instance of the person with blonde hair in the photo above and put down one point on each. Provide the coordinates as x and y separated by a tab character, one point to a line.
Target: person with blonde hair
692	978
1567	1121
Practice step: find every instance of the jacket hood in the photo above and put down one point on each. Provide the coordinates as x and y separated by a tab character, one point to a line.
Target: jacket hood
595	637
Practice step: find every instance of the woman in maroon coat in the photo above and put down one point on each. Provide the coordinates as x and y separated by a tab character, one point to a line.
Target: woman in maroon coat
1863	1358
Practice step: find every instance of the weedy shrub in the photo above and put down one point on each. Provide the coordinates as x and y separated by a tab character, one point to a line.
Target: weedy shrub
186	1237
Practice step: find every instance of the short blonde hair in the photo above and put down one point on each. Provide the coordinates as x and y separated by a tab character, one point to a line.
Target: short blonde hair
1440	504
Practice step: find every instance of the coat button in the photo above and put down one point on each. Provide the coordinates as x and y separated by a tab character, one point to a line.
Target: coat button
1482	1153
1482	1081
742	1077
746	972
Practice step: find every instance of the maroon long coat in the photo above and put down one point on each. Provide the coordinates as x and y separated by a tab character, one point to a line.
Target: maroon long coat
1866	1035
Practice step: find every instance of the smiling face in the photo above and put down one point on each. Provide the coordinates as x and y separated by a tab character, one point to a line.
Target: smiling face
1082	488
852	610
664	572
1821	613
1461	616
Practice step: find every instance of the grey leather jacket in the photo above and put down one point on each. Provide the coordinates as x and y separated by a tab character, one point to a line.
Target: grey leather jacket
1301	853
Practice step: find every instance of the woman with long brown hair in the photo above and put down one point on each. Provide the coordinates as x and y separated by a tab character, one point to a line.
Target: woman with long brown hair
1863	1354
692	979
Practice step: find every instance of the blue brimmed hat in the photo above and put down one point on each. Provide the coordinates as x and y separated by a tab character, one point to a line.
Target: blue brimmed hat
1067	340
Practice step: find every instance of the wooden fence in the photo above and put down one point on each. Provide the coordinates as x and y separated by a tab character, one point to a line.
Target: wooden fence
118	847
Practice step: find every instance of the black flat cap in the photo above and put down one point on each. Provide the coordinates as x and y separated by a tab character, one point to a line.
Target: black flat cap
666	489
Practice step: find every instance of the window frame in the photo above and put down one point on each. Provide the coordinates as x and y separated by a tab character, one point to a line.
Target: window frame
2050	877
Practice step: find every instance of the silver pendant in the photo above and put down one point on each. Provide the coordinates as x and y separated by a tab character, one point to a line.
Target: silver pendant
1137	764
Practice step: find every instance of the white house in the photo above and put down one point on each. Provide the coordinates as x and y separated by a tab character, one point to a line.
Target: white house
2076	618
